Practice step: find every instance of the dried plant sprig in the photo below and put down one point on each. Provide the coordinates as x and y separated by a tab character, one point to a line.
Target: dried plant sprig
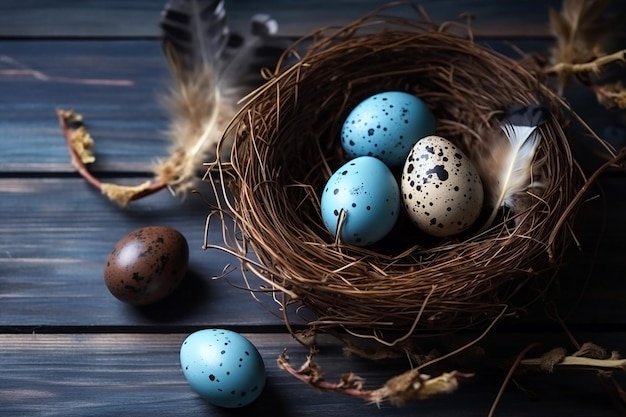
79	142
411	385
583	32
589	357
612	95
595	66
208	80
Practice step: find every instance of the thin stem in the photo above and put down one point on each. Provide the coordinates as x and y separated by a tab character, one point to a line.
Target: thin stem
586	67
579	362
509	377
81	168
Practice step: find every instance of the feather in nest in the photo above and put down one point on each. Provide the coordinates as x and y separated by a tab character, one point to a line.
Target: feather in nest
212	70
505	164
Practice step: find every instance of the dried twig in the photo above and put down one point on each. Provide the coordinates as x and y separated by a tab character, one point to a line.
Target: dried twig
411	385
79	143
588	357
577	362
583	32
594	66
612	95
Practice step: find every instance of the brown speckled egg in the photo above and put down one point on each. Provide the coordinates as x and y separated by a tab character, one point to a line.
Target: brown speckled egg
147	265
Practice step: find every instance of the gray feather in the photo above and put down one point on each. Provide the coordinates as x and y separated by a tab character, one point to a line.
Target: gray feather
212	69
196	31
527	115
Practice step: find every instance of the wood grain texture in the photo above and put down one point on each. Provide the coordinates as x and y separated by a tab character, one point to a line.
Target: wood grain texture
138	17
55	235
139	374
118	86
68	348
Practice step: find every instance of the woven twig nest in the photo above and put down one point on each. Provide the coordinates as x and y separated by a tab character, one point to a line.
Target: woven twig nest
286	145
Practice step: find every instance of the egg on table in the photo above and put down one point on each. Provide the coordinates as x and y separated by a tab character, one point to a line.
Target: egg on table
223	367
442	192
386	126
147	265
367	193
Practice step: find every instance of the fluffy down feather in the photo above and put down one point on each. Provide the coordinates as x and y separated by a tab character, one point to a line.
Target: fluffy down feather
212	70
506	166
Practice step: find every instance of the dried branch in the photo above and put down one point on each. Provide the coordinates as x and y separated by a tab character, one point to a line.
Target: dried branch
582	31
411	385
589	357
577	362
79	143
611	95
594	66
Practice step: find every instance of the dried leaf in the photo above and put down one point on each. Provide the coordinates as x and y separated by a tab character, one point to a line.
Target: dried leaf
309	369
413	385
123	194
549	360
81	143
408	386
79	138
306	337
591	350
351	380
612	95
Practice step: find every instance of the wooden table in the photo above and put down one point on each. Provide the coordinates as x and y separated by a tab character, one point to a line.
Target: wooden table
68	348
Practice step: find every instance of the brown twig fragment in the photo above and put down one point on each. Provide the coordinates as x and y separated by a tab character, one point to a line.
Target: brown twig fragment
594	66
583	31
588	357
411	385
79	143
578	362
612	95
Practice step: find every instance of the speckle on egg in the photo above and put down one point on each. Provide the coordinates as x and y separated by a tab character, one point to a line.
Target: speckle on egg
223	367
386	126
366	191
441	189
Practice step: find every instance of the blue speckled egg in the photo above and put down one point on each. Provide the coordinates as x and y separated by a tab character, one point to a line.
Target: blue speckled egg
368	193
386	126
223	367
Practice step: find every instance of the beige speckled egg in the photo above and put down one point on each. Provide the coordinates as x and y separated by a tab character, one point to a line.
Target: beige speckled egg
147	265
441	190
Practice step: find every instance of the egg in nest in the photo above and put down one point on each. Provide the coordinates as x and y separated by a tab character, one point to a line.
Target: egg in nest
442	192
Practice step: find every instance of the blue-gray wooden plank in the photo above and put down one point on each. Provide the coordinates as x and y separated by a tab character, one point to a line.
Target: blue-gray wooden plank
139	374
55	236
115	85
118	86
139	17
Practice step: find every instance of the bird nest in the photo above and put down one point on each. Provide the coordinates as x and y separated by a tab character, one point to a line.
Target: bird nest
286	144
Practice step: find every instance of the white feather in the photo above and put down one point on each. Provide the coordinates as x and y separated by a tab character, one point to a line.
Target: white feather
513	174
517	173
